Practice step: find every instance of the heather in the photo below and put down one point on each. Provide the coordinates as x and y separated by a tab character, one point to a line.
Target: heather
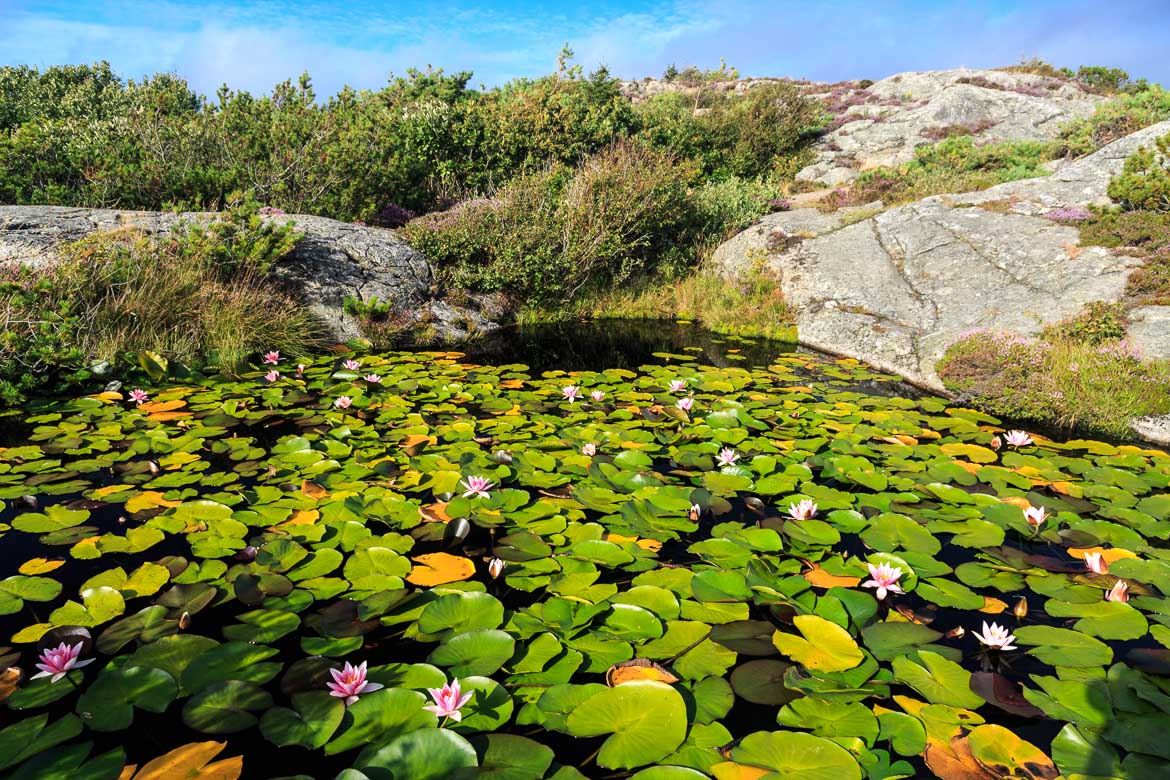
1096	383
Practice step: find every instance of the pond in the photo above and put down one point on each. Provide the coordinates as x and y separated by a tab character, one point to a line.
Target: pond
643	550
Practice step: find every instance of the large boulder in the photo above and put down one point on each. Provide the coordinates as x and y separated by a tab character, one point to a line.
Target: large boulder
883	123
332	261
896	288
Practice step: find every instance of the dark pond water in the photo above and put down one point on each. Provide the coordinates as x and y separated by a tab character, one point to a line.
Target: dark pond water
844	417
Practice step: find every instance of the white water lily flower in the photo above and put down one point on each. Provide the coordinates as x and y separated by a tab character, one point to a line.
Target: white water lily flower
996	637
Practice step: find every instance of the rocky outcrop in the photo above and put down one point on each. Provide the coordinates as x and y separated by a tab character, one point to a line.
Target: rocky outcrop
644	89
883	123
333	260
897	287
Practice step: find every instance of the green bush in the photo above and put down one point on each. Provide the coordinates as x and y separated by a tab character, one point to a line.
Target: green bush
1116	118
1144	182
1099	323
545	235
956	164
199	295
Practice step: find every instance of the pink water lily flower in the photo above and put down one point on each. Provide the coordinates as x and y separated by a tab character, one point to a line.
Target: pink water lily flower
1017	438
373	379
343	402
571	392
685	403
351	365
1095	563
448	701
885	578
805	510
996	637
996	443
1119	592
727	457
589	449
678	385
349	682
272	375
139	397
1035	515
476	486
597	395
56	661
272	357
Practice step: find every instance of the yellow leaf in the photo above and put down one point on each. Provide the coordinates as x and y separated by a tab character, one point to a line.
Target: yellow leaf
819	578
972	452
108	396
40	566
1110	555
970	468
435	513
313	490
150	407
190	762
148	499
652	545
9	681
637	669
165	416
729	770
1019	501
31	633
440	568
110	490
992	606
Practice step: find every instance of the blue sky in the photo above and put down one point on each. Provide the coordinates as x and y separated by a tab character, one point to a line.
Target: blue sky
252	44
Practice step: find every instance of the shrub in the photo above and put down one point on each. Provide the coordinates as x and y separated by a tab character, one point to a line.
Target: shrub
1116	118
1099	323
547	234
199	295
1064	383
38	334
1151	282
1144	182
957	164
1144	231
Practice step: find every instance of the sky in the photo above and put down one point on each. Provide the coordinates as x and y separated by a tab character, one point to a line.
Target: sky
254	44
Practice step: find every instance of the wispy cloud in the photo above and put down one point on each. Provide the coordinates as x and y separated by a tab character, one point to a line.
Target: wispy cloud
252	44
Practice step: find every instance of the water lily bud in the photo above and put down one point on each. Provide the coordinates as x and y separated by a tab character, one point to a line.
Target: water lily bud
694	512
956	632
248	553
1021	608
996	442
121	519
495	568
154	467
184	621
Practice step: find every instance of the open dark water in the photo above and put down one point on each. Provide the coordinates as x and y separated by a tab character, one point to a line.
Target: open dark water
572	346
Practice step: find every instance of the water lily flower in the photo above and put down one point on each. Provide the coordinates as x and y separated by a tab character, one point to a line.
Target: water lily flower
1095	563
727	457
448	701
996	442
301	369
695	511
685	403
349	682
1018	438
139	397
351	365
495	567
597	395
1119	592
885	578
996	637
805	510
272	357
56	662
373	379
678	385
476	486
1035	515
343	402
570	392
589	449
272	375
